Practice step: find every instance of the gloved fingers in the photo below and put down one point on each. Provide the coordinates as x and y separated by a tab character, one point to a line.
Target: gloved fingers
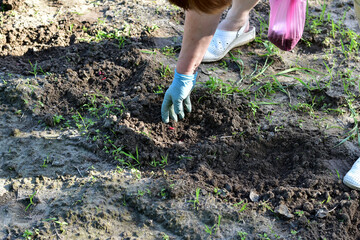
165	108
173	115
187	104
179	109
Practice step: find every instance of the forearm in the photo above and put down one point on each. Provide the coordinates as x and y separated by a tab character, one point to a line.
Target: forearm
198	32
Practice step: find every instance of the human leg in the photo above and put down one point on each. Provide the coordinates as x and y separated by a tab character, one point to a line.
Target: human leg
233	31
238	15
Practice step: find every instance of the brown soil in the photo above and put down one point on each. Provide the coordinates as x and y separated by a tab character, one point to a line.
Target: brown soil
106	91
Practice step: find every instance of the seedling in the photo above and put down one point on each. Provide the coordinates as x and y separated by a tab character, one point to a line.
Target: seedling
61	225
131	156
299	213
35	69
338	174
165	236
46	160
28	234
266	205
196	200
136	172
242	235
31	201
164	161
163	193
168	51
215	227
140	193
264	236
353	133
165	71
160	89
57	119
152	28
242	204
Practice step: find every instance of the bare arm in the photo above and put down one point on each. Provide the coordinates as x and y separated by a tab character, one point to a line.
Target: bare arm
198	32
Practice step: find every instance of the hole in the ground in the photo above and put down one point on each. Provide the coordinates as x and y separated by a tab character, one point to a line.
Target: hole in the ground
5	7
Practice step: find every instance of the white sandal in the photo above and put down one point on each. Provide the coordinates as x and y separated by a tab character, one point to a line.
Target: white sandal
352	178
219	46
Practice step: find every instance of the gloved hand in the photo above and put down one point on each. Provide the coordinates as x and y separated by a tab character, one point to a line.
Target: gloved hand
178	94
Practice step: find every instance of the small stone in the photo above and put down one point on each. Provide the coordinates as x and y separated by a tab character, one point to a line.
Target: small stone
228	187
127	115
16	186
322	213
15	132
254	196
58	163
283	211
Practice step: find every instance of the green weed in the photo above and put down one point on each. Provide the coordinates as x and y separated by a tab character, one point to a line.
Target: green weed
57	119
214	228
196	200
338	174
354	132
46	160
28	235
31	201
242	205
242	235
133	157
165	71
299	213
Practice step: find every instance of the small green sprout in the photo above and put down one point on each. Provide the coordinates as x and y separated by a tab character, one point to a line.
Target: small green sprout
31	201
215	227
57	119
28	234
242	235
196	200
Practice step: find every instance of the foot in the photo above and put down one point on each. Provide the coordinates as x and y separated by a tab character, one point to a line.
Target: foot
233	25
223	41
352	178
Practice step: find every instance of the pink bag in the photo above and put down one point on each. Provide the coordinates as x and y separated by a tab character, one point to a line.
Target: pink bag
287	20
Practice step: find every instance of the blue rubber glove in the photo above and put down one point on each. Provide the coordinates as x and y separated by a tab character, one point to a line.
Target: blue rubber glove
177	95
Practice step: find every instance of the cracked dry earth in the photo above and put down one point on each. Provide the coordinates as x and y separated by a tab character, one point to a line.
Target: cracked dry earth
84	154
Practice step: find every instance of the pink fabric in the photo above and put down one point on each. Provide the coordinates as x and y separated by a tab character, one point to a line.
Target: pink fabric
287	21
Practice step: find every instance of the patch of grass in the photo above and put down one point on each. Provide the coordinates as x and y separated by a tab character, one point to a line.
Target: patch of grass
165	70
168	51
133	157
116	34
354	132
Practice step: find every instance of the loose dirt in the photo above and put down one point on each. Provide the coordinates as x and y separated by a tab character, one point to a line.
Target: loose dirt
84	154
